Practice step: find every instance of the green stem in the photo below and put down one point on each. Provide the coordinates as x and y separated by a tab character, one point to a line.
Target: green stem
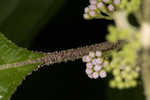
121	20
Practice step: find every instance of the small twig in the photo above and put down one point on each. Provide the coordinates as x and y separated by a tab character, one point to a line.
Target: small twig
65	55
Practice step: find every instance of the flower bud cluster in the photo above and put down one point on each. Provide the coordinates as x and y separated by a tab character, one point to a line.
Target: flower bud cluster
125	76
95	65
97	7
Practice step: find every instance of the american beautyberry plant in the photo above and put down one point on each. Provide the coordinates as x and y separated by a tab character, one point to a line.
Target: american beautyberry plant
124	56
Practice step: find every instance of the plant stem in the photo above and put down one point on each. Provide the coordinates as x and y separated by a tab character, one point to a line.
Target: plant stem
146	73
121	20
145	31
65	55
146	10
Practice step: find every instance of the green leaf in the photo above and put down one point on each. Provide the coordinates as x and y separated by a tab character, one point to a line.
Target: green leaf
20	20
12	76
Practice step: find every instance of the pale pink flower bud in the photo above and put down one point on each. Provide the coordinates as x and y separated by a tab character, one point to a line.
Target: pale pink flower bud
106	1
100	5
90	75
89	71
111	7
94	61
93	2
122	67
105	63
92	13
95	75
86	59
97	68
98	53
102	74
89	65
99	61
92	7
116	2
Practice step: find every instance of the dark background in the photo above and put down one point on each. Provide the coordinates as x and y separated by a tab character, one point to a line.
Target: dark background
67	81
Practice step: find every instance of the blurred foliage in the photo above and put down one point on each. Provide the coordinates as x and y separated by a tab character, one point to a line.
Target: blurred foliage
20	20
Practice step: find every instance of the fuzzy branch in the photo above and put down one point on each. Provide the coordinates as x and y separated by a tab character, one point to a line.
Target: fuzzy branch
65	55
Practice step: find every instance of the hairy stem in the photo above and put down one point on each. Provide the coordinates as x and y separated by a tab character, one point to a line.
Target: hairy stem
65	55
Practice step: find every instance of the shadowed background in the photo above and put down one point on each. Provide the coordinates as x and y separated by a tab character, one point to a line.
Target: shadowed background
54	25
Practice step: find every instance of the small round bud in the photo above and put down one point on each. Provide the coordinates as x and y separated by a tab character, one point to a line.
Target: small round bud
118	78
86	16
106	1
102	74
128	68
135	74
86	59
124	74
94	61
137	69
129	77
86	10
92	54
110	7
99	61
122	67
127	85
100	5
98	53
105	64
97	68
95	75
113	84
92	7
121	85
116	72
89	65
116	2
93	2
92	13
89	71
90	75
133	83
